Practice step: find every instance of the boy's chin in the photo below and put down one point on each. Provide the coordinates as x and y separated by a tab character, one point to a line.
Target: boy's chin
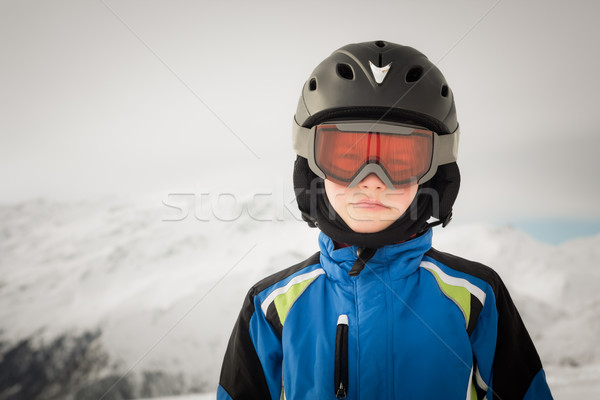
369	226
366	221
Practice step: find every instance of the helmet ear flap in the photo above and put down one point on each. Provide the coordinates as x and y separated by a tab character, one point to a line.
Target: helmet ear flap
304	180
446	182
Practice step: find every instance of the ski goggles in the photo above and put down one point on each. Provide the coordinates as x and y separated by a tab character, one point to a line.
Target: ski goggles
400	155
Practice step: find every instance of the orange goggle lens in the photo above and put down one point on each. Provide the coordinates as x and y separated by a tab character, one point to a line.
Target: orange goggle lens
341	155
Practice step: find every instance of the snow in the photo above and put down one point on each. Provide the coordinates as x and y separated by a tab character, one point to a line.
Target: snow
165	293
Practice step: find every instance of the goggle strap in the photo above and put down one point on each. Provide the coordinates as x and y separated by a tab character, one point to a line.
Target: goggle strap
301	140
447	147
445	151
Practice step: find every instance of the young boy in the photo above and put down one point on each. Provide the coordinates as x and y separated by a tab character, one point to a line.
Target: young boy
378	313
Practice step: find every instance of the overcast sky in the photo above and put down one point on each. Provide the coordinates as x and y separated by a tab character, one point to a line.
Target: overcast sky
145	98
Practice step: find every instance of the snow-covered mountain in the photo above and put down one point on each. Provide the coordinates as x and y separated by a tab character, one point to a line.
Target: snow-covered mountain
110	299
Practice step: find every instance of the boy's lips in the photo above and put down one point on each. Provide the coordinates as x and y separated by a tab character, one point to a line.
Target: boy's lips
369	204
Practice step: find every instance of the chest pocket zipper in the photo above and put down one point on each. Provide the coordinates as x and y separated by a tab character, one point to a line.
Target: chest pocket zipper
341	358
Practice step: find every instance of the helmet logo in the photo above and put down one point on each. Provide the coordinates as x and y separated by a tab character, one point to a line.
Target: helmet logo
379	73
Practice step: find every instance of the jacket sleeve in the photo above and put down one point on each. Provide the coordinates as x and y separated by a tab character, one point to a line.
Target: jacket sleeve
507	364
252	363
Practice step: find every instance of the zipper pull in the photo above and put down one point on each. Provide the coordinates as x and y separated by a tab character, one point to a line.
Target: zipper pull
364	255
341	391
341	358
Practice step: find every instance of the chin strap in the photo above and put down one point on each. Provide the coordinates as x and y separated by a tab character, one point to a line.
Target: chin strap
443	222
364	255
311	221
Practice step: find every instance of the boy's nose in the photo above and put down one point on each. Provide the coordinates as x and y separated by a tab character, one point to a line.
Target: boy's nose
372	182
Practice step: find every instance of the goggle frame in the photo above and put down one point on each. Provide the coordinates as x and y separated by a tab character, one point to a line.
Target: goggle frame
445	147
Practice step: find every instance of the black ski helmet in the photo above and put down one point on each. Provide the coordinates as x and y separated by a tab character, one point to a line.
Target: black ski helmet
386	82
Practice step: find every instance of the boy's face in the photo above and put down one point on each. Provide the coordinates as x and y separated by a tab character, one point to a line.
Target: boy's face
369	206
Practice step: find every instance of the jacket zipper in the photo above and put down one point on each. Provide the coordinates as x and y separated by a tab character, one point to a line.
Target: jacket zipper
341	358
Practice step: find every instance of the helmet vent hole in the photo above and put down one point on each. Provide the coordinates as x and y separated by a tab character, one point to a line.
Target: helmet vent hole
380	43
345	71
312	84
444	90
414	74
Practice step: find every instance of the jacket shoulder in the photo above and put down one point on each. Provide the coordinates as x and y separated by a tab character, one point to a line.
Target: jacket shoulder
281	276
275	294
477	279
473	268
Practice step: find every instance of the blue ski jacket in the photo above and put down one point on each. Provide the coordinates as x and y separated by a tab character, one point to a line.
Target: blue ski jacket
415	323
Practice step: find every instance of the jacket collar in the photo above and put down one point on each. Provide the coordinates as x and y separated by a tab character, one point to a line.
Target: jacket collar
400	259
